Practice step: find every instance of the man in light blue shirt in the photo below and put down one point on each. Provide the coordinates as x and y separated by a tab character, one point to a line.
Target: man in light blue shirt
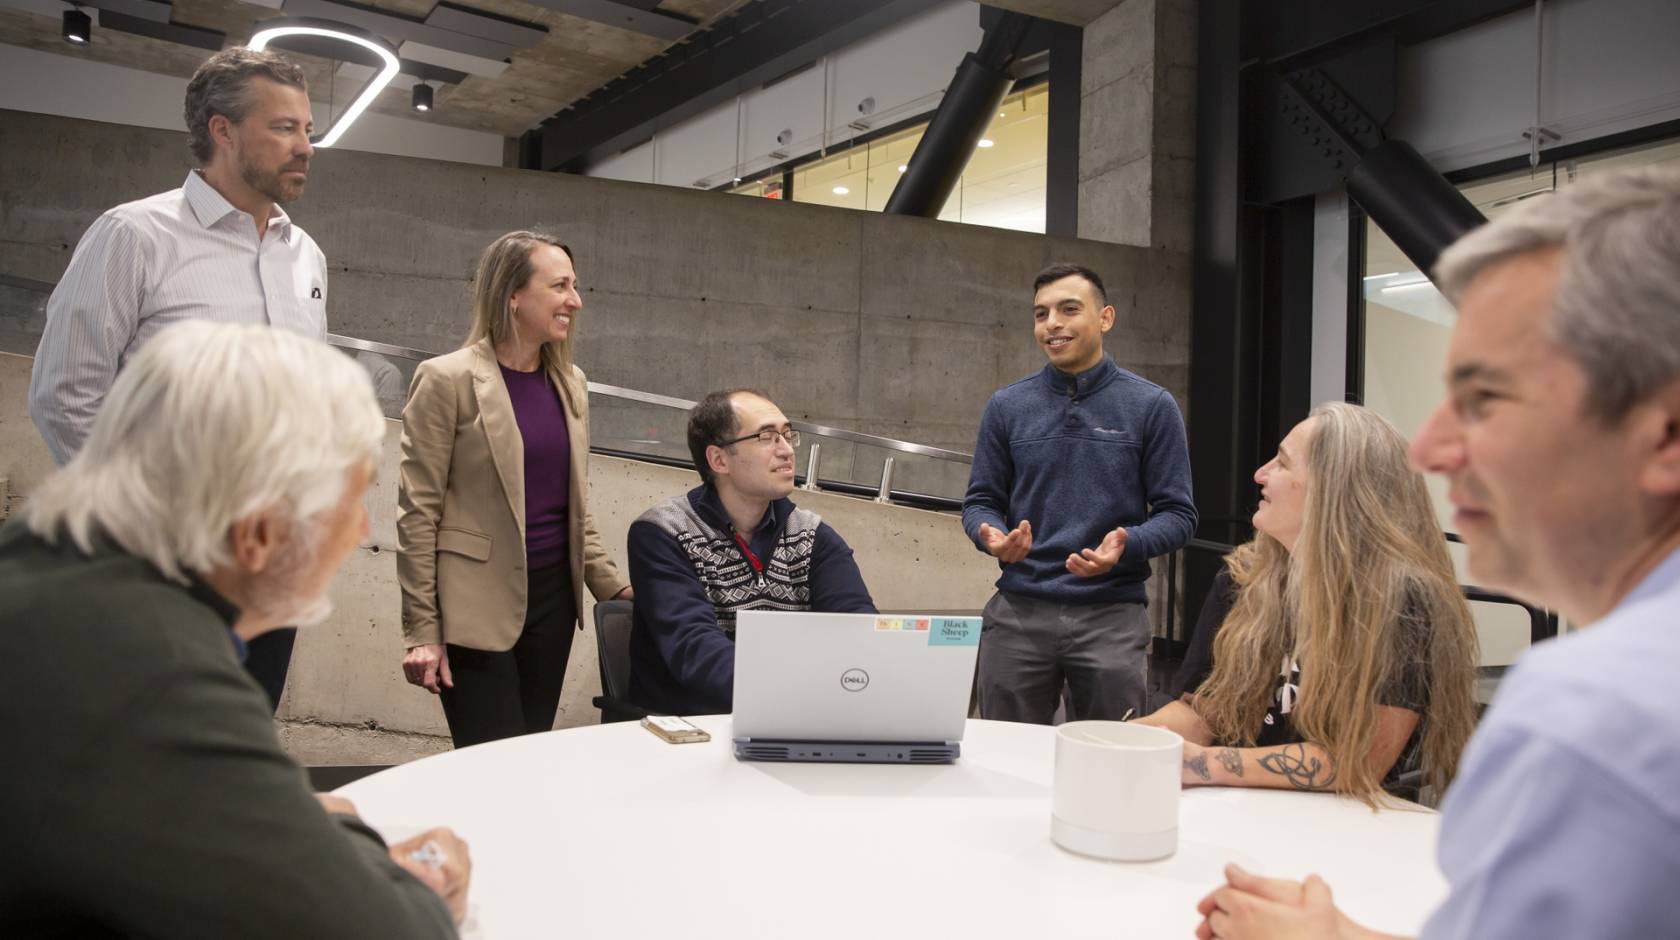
1560	439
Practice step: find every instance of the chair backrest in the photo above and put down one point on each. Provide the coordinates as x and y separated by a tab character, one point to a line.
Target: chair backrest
612	646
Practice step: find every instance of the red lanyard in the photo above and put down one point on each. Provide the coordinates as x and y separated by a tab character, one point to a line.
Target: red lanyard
757	566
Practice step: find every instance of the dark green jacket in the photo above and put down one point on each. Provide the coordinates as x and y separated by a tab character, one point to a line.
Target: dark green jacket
143	791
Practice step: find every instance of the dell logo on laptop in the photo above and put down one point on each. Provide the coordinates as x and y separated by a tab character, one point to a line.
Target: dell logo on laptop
854	680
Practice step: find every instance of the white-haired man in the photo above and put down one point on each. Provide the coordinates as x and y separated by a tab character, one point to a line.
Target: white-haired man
1560	439
147	794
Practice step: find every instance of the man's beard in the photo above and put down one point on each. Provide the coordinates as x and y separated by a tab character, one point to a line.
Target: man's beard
276	596
270	184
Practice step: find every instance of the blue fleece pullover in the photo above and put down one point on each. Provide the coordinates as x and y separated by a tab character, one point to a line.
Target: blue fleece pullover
1078	456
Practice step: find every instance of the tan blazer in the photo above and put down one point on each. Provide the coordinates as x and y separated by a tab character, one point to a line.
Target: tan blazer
461	492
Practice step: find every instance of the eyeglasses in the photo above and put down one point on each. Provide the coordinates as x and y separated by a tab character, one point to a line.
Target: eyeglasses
767	437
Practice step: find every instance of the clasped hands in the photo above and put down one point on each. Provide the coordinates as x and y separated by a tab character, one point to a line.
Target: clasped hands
1087	563
1252	907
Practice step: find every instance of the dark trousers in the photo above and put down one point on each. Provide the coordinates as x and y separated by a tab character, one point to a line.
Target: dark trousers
268	658
1031	648
514	692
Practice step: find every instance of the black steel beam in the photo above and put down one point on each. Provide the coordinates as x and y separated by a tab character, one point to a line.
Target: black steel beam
637	18
1313	28
760	42
1286	325
1411	202
1224	338
981	82
1061	159
168	32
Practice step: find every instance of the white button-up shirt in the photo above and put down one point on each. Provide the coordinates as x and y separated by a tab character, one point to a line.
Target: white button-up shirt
180	255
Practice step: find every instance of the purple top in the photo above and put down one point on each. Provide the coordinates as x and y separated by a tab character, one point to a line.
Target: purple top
548	465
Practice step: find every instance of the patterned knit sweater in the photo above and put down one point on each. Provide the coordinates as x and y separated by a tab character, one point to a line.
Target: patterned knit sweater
691	576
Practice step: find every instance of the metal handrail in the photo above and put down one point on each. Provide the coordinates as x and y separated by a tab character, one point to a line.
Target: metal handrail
384	349
909	498
668	401
598	388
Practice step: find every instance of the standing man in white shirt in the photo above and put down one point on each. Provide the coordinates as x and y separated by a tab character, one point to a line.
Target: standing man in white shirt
219	248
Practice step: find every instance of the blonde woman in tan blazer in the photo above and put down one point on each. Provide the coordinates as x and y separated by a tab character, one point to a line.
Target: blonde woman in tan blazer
495	532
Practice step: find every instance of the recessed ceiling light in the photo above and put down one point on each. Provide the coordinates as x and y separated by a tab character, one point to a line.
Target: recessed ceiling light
841	190
902	167
984	143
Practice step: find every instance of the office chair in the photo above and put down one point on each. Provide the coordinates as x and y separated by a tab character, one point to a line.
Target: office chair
612	648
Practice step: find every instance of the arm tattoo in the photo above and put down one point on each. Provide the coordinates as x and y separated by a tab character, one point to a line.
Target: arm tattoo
1198	766
1230	760
1303	771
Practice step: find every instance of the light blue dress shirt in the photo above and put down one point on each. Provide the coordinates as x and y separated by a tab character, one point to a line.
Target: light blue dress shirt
1565	819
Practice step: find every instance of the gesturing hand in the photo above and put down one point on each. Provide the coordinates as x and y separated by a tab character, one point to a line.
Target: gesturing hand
1100	560
1010	548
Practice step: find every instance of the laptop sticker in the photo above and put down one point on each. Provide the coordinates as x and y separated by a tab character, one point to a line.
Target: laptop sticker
954	631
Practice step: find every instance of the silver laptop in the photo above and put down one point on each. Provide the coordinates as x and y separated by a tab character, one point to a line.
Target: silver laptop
889	688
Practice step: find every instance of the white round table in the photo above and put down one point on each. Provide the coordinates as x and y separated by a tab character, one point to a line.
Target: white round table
611	832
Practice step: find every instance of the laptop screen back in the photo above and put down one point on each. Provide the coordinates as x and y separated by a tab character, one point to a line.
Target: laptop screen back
853	677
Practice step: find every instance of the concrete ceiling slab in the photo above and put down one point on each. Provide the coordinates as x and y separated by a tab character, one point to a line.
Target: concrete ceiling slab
1077	12
576	57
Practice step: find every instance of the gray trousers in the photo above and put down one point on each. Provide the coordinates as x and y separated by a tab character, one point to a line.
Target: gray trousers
1030	647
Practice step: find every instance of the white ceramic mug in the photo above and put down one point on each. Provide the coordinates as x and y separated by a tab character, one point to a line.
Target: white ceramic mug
1116	792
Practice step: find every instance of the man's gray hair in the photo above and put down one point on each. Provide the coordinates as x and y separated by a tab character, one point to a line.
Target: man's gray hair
222	85
209	424
1617	308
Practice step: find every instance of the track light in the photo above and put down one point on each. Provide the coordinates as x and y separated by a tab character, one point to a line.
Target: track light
78	27
422	97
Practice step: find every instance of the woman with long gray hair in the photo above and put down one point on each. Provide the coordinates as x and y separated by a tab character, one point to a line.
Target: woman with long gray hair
1335	645
495	532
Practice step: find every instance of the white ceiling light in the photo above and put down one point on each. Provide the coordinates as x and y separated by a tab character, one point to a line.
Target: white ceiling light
841	190
902	167
277	29
984	143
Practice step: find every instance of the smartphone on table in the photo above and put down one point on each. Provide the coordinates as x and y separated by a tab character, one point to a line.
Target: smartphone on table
675	730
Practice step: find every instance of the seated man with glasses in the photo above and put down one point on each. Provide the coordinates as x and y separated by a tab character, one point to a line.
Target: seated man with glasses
736	542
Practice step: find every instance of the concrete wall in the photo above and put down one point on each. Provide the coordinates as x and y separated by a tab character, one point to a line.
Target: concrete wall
78	87
1137	132
889	325
346	701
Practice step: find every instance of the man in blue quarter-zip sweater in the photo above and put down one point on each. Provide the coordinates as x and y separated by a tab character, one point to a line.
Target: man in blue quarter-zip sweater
1081	475
734	543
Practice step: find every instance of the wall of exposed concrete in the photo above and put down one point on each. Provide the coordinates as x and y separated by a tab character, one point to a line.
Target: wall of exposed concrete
1137	130
889	325
346	701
